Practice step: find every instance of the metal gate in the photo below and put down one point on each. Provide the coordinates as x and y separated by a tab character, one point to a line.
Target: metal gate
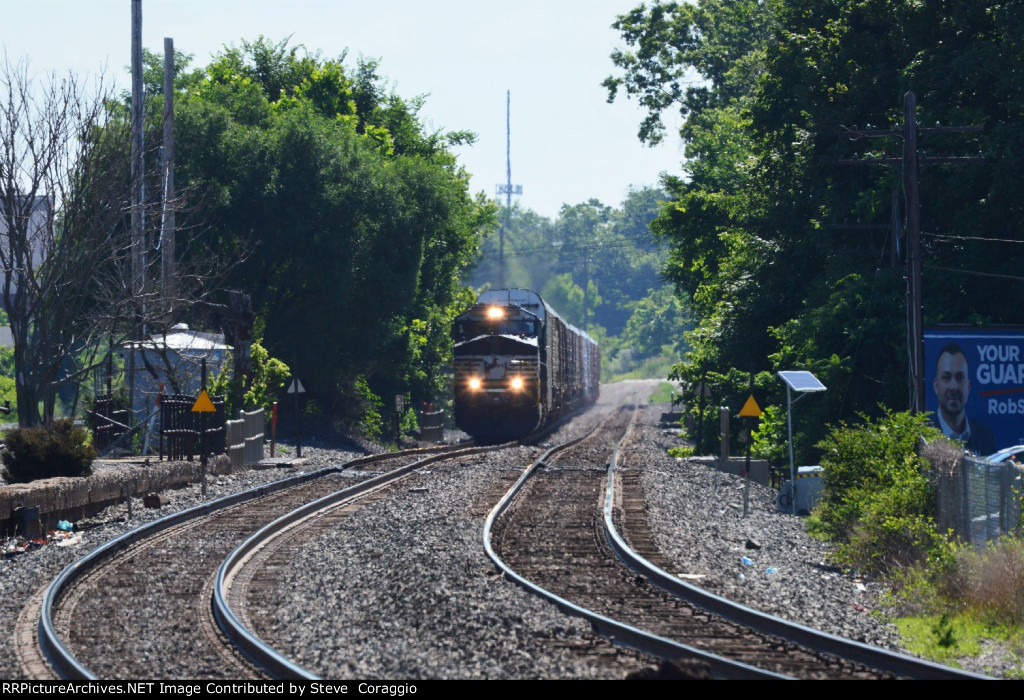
180	427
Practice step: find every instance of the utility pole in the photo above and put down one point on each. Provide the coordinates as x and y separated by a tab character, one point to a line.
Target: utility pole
910	162
167	222
136	170
138	250
915	304
508	189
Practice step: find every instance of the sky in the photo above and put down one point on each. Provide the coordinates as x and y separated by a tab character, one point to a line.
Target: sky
567	143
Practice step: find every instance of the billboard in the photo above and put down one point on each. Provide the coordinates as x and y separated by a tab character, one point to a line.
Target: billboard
974	385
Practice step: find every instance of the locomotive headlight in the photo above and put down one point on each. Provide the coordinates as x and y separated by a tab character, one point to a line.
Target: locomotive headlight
474	383
516	383
495	312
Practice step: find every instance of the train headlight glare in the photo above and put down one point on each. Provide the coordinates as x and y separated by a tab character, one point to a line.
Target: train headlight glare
495	312
517	383
474	383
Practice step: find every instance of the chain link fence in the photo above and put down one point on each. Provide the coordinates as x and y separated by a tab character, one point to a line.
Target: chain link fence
978	500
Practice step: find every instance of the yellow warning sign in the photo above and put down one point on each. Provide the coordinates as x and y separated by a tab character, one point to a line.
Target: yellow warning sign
750	409
203	404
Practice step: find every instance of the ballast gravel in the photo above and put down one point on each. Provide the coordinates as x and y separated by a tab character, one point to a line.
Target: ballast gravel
763	559
411	593
409	568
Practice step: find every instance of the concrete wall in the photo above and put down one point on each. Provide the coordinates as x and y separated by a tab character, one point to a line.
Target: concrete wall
758	467
74	498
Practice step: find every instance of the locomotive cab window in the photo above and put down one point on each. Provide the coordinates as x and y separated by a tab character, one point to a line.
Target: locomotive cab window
469	329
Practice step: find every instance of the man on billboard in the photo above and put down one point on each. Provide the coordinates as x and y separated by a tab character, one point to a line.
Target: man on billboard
952	387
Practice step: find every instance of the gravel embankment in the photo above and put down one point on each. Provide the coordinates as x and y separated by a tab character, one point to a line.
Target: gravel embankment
24	575
704	532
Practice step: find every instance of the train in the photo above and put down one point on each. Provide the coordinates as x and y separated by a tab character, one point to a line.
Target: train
519	366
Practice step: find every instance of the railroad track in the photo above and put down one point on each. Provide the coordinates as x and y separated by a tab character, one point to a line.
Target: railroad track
553	540
249	575
139	606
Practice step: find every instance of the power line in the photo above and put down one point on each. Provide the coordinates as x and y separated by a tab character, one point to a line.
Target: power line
970	238
975	272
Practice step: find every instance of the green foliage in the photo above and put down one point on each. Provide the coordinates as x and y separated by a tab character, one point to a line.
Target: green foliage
57	449
771	439
371	422
729	389
8	390
680	452
599	267
878	501
567	297
351	219
786	258
658	320
665	393
943	631
267	383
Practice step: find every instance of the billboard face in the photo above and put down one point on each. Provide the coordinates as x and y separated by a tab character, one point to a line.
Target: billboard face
974	385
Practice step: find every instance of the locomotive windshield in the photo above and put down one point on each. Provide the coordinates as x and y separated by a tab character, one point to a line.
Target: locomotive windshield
495	320
473	328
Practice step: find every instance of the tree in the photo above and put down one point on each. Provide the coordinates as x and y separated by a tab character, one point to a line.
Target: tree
62	221
65	251
785	255
357	219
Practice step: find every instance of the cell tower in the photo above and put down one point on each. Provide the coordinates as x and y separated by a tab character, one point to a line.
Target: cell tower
508	189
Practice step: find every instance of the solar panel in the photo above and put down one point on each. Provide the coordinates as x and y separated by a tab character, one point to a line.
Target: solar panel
801	381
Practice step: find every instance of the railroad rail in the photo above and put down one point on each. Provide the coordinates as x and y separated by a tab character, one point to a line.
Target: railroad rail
230	588
875	657
620	632
135	556
576	573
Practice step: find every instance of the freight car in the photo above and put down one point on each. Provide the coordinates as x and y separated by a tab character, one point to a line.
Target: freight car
519	366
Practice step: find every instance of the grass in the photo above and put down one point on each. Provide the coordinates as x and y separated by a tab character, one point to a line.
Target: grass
976	596
665	392
945	638
941	638
619	369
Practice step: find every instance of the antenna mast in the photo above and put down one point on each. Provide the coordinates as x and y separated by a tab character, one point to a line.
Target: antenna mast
508	189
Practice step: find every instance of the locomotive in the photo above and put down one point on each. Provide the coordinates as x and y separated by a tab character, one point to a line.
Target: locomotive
519	366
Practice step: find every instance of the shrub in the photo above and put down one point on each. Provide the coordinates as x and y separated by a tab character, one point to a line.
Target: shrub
878	501
58	449
267	382
989	581
771	437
